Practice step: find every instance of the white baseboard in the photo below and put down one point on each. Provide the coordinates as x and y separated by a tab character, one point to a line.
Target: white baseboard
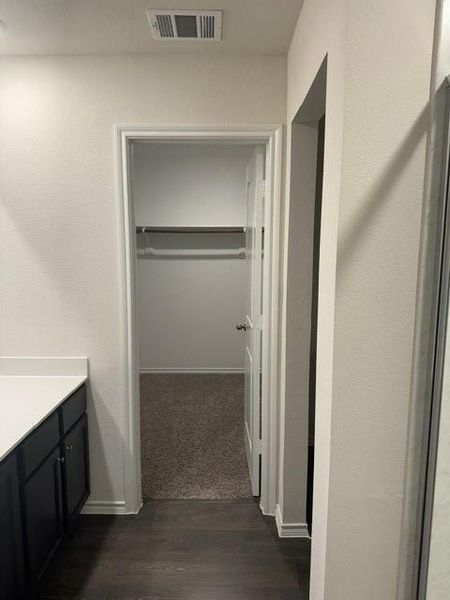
290	530
191	370
104	507
265	512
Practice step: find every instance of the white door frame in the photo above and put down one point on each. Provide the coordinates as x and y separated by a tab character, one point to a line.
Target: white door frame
271	136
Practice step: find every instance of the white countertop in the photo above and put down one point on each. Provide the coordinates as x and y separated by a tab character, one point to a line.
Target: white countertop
26	401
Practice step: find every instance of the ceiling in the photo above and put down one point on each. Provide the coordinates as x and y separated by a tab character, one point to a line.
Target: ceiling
81	27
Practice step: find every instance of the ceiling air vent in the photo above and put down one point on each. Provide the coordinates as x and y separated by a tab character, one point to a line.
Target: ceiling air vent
185	24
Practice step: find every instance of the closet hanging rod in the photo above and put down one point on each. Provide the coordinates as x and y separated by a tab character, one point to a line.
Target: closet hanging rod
201	253
151	229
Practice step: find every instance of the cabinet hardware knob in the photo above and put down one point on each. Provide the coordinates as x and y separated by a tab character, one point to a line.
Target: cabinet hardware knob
61	459
68	448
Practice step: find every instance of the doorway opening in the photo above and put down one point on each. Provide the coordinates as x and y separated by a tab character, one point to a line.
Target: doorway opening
198	211
301	316
314	314
200	305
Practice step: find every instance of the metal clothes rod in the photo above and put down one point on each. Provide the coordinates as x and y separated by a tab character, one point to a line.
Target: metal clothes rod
150	229
152	252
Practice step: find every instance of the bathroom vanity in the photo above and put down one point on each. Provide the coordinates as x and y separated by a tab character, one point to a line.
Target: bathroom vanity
44	474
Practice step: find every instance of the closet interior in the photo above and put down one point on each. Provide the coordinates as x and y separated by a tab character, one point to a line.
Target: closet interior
194	245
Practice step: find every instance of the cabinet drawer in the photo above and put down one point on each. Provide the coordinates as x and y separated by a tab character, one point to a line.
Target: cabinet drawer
39	444
73	408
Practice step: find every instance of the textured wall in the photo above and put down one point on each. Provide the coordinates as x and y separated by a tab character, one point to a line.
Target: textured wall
379	238
379	103
59	277
439	573
319	35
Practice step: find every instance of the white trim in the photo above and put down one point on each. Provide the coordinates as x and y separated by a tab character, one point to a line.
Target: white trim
290	530
267	514
283	324
270	347
198	370
105	507
127	267
271	135
248	450
57	366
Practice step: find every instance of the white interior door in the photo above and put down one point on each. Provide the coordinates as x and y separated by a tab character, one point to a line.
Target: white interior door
252	326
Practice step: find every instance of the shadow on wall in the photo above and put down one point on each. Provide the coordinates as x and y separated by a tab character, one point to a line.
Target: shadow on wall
372	202
371	207
422	380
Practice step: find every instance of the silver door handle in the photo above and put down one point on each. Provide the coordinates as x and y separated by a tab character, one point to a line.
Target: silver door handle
242	326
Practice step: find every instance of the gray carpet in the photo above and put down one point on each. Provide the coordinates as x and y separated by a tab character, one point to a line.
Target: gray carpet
192	436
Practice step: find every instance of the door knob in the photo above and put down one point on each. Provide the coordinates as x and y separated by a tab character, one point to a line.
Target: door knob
241	326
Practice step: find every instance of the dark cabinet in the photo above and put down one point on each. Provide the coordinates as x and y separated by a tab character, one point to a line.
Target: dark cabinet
11	544
76	470
38	445
73	409
44	484
43	515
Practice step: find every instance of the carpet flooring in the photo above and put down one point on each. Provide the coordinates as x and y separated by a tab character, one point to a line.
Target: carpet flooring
192	436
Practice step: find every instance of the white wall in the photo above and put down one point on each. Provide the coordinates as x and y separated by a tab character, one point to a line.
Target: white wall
190	184
59	271
188	308
438	584
374	176
319	34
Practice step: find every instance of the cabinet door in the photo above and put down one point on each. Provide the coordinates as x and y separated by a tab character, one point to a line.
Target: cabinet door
11	542
43	514
76	470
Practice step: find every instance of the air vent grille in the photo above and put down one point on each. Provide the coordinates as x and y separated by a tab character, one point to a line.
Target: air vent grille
185	24
207	26
165	26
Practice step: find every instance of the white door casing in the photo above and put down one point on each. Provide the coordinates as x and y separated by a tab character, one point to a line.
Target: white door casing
271	137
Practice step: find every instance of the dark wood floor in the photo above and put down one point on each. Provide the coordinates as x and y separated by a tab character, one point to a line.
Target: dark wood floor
180	550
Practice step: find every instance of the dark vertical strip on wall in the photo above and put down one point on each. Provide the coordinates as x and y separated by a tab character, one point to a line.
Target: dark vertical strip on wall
314	303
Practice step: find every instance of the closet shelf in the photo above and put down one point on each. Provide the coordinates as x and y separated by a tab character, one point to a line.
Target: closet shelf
200	253
151	229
